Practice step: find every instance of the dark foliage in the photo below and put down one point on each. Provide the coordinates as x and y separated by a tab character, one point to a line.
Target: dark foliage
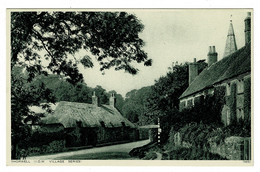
207	111
190	154
134	105
48	42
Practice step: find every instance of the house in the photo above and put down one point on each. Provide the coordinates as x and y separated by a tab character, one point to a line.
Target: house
89	124
233	72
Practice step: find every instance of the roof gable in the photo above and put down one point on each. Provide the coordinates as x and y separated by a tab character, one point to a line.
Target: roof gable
228	67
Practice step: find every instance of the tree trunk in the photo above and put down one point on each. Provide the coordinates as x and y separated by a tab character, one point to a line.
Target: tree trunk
14	151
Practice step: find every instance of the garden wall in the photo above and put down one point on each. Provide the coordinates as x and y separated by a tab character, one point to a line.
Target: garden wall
233	148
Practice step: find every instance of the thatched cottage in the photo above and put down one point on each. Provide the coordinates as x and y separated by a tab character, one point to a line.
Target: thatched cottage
90	124
233	72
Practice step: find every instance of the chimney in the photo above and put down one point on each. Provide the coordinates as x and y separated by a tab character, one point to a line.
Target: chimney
112	100
212	55
248	28
193	71
94	99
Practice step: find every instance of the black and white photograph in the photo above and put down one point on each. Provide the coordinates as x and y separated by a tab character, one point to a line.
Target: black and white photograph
142	85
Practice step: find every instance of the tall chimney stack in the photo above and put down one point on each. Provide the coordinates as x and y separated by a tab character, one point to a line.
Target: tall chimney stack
112	100
94	99
212	55
193	71
248	28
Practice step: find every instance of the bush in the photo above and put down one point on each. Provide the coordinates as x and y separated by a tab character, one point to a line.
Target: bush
207	110
53	147
150	156
181	153
40	138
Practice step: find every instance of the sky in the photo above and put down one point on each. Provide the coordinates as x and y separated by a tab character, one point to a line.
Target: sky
170	36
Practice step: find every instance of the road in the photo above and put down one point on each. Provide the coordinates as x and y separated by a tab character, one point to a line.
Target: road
119	151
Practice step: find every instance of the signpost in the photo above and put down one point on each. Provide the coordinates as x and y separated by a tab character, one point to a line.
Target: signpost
159	132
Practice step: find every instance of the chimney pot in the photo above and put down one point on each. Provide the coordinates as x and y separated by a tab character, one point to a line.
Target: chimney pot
112	100
213	49
212	55
94	99
193	71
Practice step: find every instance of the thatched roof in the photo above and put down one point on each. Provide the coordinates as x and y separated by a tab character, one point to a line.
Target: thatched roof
70	113
149	126
229	67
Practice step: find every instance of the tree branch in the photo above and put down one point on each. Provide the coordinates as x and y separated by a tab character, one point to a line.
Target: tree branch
43	44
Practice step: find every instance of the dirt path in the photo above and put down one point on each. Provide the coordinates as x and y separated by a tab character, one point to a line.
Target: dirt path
122	148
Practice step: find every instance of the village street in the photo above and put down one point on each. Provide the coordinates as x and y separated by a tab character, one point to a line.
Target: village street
119	151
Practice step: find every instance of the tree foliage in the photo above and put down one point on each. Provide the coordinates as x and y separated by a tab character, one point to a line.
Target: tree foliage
134	105
51	42
23	95
112	37
164	97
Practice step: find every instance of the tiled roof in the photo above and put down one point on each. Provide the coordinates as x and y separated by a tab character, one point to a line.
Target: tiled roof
231	66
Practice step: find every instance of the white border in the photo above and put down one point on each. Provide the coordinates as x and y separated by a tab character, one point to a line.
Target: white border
125	4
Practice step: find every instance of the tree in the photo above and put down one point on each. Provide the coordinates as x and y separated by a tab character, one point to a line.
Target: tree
48	42
164	97
134	105
112	37
23	95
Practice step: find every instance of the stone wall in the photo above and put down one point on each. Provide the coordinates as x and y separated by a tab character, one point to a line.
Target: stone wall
233	148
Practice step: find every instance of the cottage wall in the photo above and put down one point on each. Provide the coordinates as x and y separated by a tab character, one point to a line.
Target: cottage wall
236	95
237	99
99	135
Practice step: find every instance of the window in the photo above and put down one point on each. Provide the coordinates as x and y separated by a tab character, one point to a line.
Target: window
228	89
228	116
240	86
240	114
193	101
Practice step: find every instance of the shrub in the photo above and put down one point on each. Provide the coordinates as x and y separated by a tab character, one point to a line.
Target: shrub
150	155
55	146
181	153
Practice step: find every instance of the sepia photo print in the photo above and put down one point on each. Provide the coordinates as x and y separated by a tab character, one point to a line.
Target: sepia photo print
142	86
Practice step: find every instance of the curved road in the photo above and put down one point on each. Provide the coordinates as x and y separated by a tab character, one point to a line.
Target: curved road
119	151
